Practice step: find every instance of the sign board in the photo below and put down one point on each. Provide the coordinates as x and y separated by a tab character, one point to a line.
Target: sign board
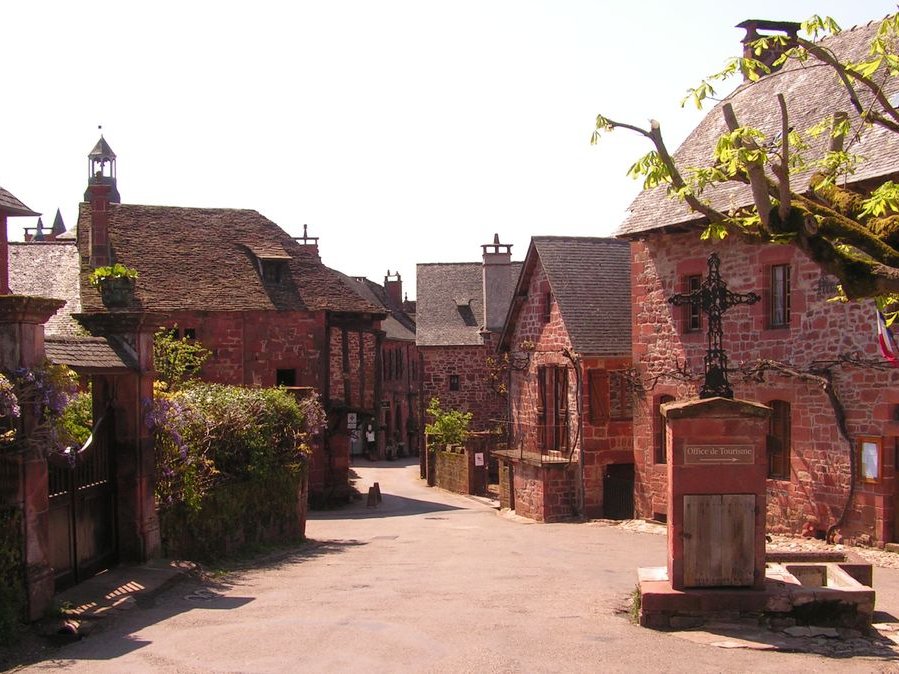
479	459
701	455
351	421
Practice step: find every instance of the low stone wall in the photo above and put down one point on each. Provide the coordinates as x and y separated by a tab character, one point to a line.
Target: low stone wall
455	470
236	516
537	489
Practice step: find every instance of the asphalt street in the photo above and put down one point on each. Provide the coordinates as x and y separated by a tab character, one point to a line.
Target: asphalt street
426	582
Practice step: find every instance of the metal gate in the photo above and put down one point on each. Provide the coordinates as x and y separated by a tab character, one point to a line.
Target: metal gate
82	514
618	491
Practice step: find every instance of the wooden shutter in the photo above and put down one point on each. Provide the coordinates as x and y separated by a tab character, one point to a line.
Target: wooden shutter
561	408
599	396
541	407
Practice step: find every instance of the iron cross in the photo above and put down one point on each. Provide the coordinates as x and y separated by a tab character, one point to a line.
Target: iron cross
713	298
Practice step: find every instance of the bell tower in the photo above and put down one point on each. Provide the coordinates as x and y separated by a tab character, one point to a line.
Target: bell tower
101	171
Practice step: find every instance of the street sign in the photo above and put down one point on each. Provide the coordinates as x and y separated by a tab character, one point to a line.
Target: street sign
696	455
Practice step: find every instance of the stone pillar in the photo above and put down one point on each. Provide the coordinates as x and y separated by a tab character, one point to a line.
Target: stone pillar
717	471
135	464
22	346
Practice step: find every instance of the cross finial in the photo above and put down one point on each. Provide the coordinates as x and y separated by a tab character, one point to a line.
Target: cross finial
713	298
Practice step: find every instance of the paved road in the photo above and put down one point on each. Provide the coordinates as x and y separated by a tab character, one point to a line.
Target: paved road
427	582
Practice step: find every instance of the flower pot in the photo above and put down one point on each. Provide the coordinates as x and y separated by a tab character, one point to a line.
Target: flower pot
116	292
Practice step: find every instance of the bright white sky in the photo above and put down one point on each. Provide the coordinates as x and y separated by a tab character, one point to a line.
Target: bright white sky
400	131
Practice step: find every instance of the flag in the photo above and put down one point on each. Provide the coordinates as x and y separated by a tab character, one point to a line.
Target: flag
887	344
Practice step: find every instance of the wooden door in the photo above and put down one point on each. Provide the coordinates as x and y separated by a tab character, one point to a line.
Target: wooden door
719	549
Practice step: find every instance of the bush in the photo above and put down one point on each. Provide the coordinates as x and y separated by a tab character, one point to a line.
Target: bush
207	434
449	427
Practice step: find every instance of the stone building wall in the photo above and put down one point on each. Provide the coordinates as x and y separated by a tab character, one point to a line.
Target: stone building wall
475	394
818	332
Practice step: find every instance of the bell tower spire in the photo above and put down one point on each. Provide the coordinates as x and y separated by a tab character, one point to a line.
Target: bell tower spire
101	170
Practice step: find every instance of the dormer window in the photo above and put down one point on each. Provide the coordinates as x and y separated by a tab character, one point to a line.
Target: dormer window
272	271
270	260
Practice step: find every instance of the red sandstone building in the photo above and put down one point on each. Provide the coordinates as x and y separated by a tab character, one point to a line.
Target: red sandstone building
460	309
398	423
816	478
567	338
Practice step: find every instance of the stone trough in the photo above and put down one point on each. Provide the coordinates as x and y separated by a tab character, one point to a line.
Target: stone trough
835	592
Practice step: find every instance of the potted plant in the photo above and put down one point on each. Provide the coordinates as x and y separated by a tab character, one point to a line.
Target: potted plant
115	283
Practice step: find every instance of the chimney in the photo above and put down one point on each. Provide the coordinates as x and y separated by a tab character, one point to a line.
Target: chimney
498	283
308	243
393	285
774	51
99	235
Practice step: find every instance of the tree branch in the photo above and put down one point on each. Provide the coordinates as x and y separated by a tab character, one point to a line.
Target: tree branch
758	182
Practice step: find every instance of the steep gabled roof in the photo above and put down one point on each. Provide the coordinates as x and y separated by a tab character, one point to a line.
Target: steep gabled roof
48	269
812	93
590	281
12	206
398	324
450	303
210	259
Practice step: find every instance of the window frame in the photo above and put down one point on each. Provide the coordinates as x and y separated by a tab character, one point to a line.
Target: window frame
455	382
693	310
779	304
862	443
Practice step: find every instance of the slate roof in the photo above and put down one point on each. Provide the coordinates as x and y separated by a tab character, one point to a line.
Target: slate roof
812	93
205	259
450	303
12	206
397	325
90	353
48	269
590	281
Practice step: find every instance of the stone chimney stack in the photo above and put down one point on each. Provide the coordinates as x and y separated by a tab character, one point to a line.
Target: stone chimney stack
774	51
99	234
393	285
309	243
499	283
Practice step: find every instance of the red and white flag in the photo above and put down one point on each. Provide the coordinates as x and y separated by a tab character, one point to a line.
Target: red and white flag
887	344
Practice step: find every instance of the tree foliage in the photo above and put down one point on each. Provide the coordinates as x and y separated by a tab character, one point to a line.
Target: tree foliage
177	360
849	233
450	427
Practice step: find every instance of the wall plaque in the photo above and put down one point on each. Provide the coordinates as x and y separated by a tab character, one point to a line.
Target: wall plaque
695	455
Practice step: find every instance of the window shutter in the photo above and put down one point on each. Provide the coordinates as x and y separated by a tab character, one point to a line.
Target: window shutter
562	407
599	396
541	407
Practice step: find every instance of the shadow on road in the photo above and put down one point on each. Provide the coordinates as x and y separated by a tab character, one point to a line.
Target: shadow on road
391	506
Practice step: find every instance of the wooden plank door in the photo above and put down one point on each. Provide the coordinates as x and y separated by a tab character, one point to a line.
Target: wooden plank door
719	549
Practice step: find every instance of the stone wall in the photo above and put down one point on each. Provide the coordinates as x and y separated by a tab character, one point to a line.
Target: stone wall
475	394
818	331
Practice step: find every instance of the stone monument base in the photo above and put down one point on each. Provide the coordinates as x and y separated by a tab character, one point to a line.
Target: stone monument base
797	592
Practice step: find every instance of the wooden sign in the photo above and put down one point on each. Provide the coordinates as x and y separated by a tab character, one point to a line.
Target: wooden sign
700	455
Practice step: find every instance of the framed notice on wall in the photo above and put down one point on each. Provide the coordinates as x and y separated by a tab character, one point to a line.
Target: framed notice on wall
869	458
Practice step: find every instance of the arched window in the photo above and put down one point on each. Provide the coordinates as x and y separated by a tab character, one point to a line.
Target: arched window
779	440
661	439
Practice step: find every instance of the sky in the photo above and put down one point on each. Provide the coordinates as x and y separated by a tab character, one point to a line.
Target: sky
399	131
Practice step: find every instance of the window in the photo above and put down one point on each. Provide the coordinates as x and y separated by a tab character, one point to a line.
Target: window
779	440
190	333
552	407
661	436
621	404
598	381
454	382
870	455
286	377
779	309
271	271
693	310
